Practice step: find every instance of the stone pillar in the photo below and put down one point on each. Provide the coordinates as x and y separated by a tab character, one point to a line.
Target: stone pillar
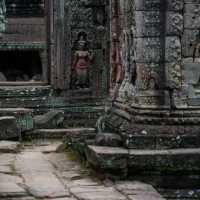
191	56
150	52
115	60
159	25
173	49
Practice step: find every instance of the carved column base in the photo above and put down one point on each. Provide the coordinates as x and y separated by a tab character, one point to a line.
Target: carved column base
155	128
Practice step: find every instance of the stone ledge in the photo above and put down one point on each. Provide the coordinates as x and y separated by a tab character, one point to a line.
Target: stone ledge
66	134
174	160
108	158
161	141
137	190
134	161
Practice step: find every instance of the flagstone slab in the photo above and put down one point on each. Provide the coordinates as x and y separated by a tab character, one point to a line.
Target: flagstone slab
45	185
9	147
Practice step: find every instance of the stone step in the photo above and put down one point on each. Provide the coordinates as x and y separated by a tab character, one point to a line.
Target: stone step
9	128
27	96
30	102
184	194
25	91
9	147
82	116
23	116
66	134
144	161
161	141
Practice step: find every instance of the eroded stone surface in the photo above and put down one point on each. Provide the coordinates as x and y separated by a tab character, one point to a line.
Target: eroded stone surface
6	169
9	128
9	147
58	176
45	185
11	189
10	186
138	191
38	175
52	119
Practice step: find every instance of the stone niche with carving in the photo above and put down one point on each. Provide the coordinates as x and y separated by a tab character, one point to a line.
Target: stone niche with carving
89	36
23	51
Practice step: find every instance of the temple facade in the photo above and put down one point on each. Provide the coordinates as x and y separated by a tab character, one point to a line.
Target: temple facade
140	56
60	46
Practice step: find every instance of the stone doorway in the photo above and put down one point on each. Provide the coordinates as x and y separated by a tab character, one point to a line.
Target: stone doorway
21	66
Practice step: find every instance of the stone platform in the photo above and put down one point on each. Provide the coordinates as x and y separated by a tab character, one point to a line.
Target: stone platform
80	111
35	173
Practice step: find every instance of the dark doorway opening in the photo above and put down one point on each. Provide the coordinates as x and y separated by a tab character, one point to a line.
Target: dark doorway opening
20	66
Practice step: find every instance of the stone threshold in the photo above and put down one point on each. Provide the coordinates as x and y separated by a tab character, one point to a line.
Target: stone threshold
140	161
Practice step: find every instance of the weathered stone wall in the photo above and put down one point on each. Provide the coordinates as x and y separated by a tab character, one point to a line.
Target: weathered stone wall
190	53
159	48
159	43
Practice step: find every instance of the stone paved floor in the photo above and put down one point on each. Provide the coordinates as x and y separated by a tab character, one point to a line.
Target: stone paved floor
39	171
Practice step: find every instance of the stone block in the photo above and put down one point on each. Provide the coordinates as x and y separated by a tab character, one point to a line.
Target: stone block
108	139
171	5
148	50
174	5
52	119
148	24
192	16
189	40
9	147
191	72
174	160
109	158
9	128
173	49
140	142
24	117
174	25
173	75
151	98
147	5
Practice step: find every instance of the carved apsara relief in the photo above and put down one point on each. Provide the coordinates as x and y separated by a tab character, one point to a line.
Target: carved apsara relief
82	63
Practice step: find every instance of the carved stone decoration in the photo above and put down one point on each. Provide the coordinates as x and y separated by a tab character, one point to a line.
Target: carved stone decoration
175	5
127	89
148	77
173	49
174	23
116	60
192	16
79	19
2	16
174	75
89	18
82	63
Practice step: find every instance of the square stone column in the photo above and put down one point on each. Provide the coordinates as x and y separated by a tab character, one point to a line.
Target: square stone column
159	24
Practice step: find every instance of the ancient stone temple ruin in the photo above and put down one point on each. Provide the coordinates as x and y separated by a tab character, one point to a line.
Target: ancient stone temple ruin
117	80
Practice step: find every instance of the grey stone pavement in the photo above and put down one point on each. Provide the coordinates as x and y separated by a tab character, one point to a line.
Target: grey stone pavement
40	171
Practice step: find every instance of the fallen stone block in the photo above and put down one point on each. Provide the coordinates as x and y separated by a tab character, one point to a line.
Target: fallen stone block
9	128
50	120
